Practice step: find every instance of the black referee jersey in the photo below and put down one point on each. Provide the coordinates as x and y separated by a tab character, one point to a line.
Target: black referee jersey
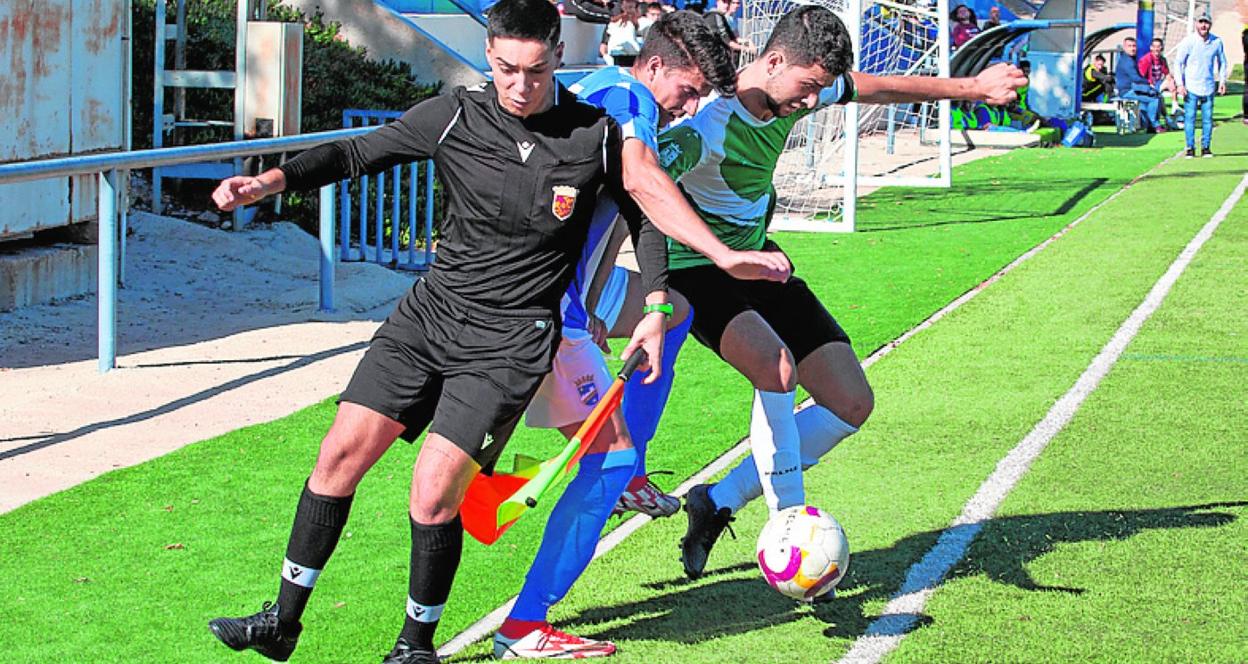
519	191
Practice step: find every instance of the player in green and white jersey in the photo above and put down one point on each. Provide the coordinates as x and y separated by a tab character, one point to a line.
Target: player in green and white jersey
778	335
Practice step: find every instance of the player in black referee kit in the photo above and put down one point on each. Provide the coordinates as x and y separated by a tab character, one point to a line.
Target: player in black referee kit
522	162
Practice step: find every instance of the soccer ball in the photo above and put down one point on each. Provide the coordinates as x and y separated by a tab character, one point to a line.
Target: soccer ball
803	552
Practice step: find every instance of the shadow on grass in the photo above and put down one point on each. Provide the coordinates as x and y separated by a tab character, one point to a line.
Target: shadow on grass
297	362
732	600
954	210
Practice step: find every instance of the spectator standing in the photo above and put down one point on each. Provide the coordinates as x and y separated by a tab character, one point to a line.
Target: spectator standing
1131	85
1202	70
1244	38
652	13
994	19
721	18
965	25
620	41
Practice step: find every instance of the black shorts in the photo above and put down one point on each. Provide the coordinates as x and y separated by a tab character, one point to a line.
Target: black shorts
464	371
791	309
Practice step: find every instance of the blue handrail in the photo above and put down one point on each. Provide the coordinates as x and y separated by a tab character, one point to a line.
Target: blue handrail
107	165
85	164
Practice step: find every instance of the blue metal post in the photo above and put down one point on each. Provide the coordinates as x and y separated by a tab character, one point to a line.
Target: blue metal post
428	212
344	223
158	101
413	176
327	248
395	219
379	220
364	217
1145	24
106	288
890	142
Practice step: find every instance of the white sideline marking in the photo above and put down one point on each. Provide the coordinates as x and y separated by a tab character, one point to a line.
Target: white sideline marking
885	633
491	621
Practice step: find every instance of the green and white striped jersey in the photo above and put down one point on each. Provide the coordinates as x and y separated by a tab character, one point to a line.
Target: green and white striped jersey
723	158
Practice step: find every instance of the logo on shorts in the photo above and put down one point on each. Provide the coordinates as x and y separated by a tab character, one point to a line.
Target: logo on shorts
587	390
564	202
489	440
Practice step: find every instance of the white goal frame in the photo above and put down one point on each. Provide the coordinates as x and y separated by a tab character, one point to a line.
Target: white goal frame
838	211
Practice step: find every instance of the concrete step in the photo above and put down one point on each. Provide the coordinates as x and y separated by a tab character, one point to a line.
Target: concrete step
36	275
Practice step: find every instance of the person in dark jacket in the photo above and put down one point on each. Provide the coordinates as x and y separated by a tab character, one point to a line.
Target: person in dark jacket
1131	85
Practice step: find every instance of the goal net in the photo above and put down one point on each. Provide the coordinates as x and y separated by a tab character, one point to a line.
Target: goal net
833	152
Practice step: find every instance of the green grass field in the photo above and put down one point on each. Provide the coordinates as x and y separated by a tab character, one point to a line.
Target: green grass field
1124	543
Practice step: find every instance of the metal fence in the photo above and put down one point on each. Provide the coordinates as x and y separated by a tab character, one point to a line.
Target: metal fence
389	232
109	167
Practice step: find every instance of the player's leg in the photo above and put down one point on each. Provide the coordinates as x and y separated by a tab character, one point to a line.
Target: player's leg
644	404
440	478
843	401
750	345
376	408
566	397
492	368
827	368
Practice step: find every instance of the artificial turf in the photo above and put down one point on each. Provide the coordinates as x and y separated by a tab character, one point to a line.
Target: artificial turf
950	404
1125	542
130	566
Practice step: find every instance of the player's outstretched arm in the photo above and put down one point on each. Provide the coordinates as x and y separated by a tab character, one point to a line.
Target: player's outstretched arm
416	135
245	190
997	85
659	198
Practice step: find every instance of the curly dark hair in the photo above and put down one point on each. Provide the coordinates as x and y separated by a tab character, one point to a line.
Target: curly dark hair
683	39
813	35
537	20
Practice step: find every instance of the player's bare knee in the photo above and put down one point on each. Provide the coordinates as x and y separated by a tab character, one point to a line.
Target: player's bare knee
854	408
785	377
433	512
780	378
858	410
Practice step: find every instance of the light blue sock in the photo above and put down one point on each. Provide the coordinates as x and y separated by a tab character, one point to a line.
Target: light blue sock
573	531
644	404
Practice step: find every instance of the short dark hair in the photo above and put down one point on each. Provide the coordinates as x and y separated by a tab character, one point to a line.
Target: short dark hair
1098	56
683	40
812	35
537	20
1129	39
1159	40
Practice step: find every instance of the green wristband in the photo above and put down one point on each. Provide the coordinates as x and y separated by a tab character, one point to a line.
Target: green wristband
665	309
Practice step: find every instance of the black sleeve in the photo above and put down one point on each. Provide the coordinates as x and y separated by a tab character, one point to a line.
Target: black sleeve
412	137
649	243
719	26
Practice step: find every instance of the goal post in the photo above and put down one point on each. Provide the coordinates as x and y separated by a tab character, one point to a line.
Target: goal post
834	152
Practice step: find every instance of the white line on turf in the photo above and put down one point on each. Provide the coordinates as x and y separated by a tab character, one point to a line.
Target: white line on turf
490	622
901	614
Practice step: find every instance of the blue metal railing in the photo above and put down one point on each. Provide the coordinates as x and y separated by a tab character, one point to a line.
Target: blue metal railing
109	165
398	254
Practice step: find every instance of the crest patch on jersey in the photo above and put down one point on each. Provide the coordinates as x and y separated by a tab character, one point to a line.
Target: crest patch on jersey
587	390
564	202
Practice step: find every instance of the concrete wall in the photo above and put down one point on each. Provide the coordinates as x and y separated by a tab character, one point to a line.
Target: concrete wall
388	36
61	92
462	33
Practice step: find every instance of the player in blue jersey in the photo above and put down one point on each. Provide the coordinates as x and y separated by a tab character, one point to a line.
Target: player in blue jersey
680	62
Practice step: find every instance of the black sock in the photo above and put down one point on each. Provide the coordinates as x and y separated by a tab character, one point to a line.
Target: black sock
318	524
435	557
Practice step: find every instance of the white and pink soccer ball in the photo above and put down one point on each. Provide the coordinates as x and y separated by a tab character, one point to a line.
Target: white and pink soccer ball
803	552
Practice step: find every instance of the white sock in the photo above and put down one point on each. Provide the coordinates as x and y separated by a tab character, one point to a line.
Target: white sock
774	449
818	429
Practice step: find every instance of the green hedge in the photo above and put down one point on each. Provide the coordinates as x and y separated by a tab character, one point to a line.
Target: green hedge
336	76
